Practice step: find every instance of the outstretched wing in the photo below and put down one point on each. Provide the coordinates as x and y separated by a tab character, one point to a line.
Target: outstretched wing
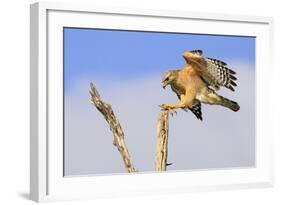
197	52
218	74
214	72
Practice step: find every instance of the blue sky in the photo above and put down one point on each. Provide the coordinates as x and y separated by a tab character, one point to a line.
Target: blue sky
128	54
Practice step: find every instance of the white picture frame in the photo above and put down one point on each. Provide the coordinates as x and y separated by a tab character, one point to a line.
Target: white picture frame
46	159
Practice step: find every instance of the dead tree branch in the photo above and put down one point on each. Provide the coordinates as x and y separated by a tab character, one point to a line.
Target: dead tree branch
106	110
162	141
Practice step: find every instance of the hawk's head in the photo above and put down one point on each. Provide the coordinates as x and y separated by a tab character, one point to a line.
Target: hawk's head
169	77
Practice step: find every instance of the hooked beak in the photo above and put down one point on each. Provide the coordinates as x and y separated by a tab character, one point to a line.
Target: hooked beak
164	84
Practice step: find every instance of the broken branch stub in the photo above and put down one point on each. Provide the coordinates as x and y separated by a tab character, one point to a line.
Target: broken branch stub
115	127
162	141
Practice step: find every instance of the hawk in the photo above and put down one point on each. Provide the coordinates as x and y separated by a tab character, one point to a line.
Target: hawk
197	82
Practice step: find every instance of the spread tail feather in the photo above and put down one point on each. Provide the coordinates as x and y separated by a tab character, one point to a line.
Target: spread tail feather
234	106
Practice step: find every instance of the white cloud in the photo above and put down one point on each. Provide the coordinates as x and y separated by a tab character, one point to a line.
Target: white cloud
224	138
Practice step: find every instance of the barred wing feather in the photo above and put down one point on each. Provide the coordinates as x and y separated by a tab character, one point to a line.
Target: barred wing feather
218	74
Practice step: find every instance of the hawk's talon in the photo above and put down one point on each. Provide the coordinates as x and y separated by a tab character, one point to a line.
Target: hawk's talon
169	108
172	112
164	107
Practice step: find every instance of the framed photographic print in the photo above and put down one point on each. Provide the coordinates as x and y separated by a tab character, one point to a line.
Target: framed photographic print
103	126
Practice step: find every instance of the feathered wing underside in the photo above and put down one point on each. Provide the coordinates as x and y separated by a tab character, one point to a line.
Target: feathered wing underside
197	52
218	74
212	71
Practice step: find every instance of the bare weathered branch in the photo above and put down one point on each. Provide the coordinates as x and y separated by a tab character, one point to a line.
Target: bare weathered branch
162	141
115	127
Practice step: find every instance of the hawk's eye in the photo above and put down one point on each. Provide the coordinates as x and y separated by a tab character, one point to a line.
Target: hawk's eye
167	79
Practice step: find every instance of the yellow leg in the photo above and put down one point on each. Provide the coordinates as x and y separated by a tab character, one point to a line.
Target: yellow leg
172	107
186	102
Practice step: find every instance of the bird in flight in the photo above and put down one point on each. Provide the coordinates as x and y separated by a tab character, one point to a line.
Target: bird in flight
198	82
